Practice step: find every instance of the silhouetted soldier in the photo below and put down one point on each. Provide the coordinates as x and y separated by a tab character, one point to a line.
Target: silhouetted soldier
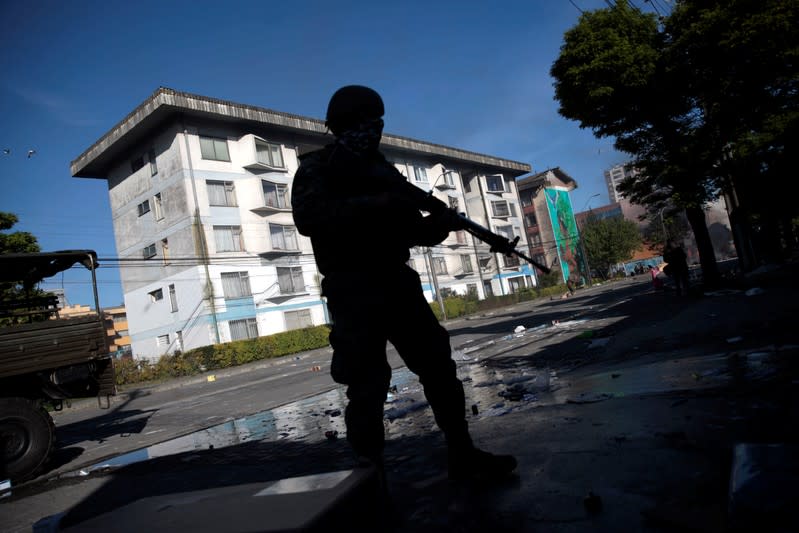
677	267
348	199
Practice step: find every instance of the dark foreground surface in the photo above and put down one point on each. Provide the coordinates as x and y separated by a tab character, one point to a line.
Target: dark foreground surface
653	413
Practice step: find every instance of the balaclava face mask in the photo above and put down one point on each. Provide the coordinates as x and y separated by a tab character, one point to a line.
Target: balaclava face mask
364	138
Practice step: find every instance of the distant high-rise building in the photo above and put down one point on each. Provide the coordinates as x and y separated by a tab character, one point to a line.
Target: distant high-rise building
613	176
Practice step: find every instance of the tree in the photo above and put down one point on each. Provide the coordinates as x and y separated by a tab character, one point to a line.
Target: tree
18	241
609	241
613	76
14	242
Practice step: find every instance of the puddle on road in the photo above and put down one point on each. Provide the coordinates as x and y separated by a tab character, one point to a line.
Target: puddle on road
493	388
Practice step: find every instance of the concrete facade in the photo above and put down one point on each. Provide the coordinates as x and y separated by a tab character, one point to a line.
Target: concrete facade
199	192
543	243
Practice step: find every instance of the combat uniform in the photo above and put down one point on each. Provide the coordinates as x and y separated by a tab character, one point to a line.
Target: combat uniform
361	228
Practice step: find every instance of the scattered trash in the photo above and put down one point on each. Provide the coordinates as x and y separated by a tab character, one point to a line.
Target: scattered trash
519	329
497	411
555	322
733	340
474	409
316	368
592	503
514	393
331	435
211	378
333	412
393	389
754	291
460	355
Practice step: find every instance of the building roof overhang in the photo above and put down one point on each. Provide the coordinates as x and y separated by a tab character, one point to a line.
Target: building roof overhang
542	179
164	103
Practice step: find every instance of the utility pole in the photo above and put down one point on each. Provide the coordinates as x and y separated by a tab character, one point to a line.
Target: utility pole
199	239
429	257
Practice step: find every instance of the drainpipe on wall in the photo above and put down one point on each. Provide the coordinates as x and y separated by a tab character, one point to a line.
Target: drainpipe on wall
199	237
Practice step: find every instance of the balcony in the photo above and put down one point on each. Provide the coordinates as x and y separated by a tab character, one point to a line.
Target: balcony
283	240
260	154
275	199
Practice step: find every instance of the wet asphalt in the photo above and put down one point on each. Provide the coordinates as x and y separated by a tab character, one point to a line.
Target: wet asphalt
623	407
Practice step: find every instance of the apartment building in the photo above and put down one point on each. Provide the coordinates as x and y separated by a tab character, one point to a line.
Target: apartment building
549	222
199	191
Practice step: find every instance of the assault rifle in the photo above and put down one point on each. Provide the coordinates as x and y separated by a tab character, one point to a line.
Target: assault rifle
499	244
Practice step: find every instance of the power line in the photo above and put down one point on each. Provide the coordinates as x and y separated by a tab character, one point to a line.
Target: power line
576	7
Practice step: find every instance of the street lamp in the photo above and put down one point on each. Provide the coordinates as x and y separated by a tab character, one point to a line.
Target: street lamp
589	200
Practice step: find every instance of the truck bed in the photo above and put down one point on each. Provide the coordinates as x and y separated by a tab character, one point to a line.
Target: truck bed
50	344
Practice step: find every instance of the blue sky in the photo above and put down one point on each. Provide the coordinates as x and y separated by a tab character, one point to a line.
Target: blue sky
468	74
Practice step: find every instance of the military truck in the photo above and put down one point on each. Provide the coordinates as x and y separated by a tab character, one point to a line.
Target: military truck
44	359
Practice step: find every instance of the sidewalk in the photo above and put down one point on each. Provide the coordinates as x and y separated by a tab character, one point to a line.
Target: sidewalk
635	431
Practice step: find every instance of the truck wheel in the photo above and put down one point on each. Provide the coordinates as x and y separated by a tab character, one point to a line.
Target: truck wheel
27	437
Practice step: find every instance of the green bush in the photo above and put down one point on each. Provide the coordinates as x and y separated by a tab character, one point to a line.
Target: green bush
217	356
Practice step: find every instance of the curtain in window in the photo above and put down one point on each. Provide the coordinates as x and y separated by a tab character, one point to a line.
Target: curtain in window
236	284
243	329
298	319
216	194
228	238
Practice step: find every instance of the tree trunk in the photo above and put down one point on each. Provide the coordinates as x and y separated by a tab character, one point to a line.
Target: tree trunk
707	257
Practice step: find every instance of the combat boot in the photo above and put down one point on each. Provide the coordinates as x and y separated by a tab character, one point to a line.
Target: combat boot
473	464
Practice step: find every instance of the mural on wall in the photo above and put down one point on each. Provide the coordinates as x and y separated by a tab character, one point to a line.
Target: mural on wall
567	237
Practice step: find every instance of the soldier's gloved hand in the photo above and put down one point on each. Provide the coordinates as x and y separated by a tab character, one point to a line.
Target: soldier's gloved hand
434	206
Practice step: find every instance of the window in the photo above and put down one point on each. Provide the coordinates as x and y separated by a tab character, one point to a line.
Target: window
283	237
440	265
214	148
535	239
143	207
495	183
165	250
269	154
511	262
298	319
471	290
136	164
466	263
453	202
149	251
290	280
163	340
505	231
420	174
246	328
449	177
173	298
530	219
221	193
512	208
540	258
499	208
158	207
460	236
228	238
236	285
527	198
156	295
153	164
276	195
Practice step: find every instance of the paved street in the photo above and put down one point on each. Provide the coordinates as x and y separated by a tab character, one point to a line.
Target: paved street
633	394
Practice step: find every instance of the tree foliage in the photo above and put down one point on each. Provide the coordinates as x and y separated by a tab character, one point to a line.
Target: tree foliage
609	241
17	241
14	242
677	93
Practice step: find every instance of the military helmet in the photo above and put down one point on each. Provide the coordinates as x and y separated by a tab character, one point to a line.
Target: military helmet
353	103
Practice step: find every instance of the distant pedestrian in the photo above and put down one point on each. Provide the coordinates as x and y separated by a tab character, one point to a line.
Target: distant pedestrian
677	267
